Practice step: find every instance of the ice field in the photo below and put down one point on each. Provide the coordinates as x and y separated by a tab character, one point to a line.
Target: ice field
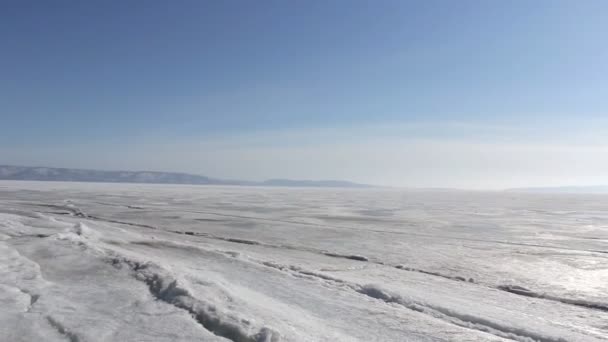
118	262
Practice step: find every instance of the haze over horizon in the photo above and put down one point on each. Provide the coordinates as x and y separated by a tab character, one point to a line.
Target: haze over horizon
471	94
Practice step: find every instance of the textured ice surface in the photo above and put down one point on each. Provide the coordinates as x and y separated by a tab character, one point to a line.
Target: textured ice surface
103	262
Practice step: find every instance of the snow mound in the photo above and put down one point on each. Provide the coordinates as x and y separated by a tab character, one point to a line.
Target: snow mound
79	233
463	319
165	287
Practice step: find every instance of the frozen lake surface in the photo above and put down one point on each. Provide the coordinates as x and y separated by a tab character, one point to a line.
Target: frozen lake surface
116	262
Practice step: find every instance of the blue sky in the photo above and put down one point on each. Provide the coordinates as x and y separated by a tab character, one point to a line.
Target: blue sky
474	94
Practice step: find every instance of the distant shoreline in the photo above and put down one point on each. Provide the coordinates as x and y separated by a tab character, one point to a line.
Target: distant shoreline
41	173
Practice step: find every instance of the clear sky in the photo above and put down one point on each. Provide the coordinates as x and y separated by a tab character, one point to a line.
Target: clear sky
469	94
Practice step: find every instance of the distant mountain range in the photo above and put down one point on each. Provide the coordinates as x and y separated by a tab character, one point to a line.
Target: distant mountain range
593	189
8	172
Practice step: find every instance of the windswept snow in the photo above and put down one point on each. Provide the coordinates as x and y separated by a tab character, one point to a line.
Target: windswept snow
97	262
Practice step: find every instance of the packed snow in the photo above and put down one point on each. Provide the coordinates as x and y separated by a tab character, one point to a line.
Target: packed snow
119	262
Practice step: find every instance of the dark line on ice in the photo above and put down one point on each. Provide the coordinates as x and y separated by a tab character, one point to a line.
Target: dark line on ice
62	329
459	319
360	258
167	289
511	289
74	211
389	231
522	291
447	315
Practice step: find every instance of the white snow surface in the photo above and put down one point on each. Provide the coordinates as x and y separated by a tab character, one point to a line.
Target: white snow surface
118	262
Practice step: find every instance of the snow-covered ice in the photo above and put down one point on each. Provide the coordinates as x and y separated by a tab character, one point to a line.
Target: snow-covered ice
117	262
